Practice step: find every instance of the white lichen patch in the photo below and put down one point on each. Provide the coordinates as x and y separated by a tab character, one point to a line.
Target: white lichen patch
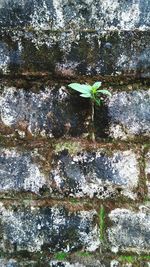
59	18
130	230
67	264
92	241
117	132
114	263
4	58
41	18
131	16
12	109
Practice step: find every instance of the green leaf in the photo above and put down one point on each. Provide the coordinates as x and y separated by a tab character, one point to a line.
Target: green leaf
96	85
86	95
98	101
82	88
105	92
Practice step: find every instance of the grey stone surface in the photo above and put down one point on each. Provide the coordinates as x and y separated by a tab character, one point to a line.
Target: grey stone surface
59	14
58	112
48	113
130	230
68	264
126	116
147	171
16	263
54	263
91	174
19	172
56	36
48	228
100	173
74	53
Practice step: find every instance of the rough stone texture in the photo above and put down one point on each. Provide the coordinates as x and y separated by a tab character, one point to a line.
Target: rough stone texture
54	112
99	174
69	40
147	171
60	14
18	172
130	230
14	263
73	53
54	229
54	263
58	36
67	264
125	116
49	113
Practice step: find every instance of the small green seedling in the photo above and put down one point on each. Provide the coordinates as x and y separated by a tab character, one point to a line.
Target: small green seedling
94	93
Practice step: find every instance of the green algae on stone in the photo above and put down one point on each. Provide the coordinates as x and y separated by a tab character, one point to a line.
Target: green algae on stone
71	146
60	256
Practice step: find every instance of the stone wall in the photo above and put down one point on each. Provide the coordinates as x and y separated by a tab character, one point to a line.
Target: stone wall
64	200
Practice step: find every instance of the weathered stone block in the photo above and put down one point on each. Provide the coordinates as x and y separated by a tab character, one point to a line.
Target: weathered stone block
57	36
67	264
48	113
66	15
130	230
48	228
75	53
18	263
54	112
125	116
54	263
100	173
14	263
19	172
147	171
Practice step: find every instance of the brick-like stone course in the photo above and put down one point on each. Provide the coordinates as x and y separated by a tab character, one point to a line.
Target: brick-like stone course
130	230
54	112
55	263
102	174
49	113
126	115
114	40
52	228
75	15
70	54
96	174
18	172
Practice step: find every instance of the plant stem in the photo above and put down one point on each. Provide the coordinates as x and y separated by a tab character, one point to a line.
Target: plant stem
92	121
102	222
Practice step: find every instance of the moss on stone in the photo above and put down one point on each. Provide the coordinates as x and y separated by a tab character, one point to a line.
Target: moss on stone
84	254
60	256
125	258
71	146
133	258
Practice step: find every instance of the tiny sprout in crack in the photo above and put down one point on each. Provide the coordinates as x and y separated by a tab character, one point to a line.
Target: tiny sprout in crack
94	93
